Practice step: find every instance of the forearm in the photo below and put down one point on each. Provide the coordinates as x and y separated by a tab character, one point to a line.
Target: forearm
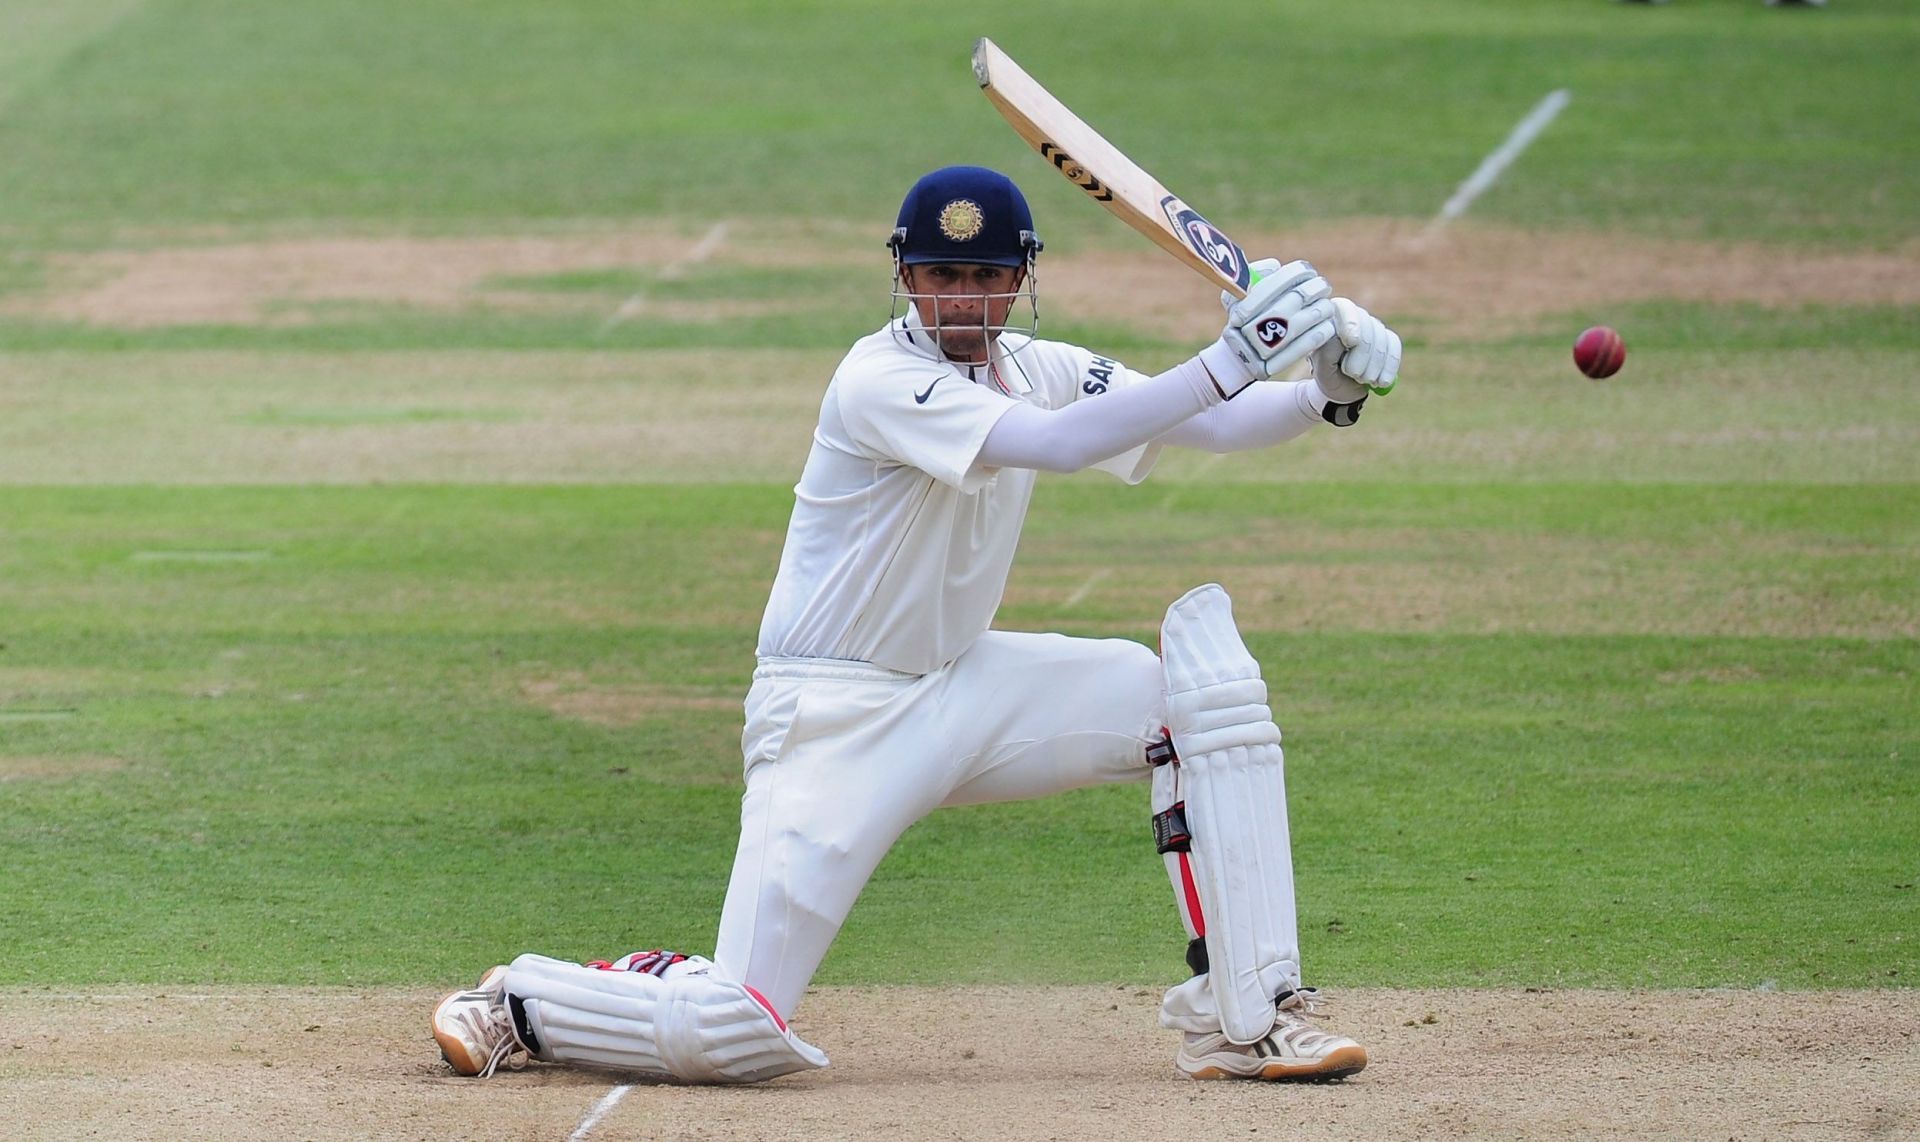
1266	414
1091	430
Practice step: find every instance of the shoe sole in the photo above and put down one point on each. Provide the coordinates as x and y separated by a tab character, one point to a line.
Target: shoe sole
1338	1065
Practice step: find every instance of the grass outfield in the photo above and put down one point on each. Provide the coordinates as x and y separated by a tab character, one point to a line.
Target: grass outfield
366	638
299	728
1712	117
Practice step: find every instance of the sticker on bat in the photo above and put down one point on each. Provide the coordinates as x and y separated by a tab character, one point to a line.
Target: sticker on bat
1080	176
1207	241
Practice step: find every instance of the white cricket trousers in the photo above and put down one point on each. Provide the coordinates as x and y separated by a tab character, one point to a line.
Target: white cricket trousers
841	757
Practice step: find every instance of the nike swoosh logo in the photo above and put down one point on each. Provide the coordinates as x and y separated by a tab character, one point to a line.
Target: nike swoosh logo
921	398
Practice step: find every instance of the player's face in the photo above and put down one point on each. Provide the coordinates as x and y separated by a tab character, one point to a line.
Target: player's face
967	303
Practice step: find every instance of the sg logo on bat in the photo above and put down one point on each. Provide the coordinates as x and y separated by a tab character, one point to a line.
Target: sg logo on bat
1080	176
1207	241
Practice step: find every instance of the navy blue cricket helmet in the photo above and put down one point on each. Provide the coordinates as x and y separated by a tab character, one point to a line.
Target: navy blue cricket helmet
965	214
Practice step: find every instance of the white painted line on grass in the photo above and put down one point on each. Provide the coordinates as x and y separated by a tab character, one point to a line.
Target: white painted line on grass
672	271
1206	464
1524	133
702	250
37	39
1199	470
1086	588
607	1102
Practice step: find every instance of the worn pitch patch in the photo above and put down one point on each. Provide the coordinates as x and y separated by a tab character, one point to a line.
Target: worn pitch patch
48	767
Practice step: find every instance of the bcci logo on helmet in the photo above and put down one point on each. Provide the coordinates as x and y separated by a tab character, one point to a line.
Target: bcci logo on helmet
961	220
963	214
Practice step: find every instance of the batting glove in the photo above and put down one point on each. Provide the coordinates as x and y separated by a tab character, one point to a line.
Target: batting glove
1362	358
1285	316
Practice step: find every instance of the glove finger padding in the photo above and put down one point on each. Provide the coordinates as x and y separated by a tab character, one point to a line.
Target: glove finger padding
1261	271
1276	327
1328	375
1267	289
1390	367
1372	355
1382	358
1273	329
1293	287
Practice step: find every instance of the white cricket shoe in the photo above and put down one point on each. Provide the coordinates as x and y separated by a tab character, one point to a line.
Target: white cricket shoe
1294	1049
475	1030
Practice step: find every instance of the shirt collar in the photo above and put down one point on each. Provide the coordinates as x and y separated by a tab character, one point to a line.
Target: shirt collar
911	332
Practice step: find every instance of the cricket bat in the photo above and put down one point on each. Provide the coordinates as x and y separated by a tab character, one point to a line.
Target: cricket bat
1107	175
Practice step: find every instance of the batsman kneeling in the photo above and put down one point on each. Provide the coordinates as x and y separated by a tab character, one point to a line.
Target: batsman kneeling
881	694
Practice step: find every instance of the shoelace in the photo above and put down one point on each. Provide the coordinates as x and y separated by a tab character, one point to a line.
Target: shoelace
1293	1022
492	1023
1302	1002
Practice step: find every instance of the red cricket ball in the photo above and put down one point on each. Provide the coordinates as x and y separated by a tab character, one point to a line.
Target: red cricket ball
1599	352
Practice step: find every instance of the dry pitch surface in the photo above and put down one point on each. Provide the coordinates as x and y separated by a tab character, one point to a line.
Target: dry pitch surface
1476	278
1063	1063
1040	1063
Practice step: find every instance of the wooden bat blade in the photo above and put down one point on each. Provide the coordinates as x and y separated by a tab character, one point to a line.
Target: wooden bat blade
1108	176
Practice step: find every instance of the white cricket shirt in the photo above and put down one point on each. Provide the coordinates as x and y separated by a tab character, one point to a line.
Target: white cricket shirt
899	545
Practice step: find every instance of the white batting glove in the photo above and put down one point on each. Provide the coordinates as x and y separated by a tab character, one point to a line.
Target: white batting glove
1363	358
1261	270
1366	353
1285	316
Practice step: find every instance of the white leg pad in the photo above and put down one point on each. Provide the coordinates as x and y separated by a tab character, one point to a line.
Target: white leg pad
1190	1006
692	1026
1232	775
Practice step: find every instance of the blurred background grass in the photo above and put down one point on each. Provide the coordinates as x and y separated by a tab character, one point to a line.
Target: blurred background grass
1714	119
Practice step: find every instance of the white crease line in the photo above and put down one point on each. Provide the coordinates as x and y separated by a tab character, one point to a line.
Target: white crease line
672	271
607	1102
1202	468
1524	133
1086	588
701	251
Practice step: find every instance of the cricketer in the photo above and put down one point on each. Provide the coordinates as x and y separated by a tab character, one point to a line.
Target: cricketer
881	694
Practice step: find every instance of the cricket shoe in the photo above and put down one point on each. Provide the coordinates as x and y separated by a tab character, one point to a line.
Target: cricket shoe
475	1030
1294	1049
